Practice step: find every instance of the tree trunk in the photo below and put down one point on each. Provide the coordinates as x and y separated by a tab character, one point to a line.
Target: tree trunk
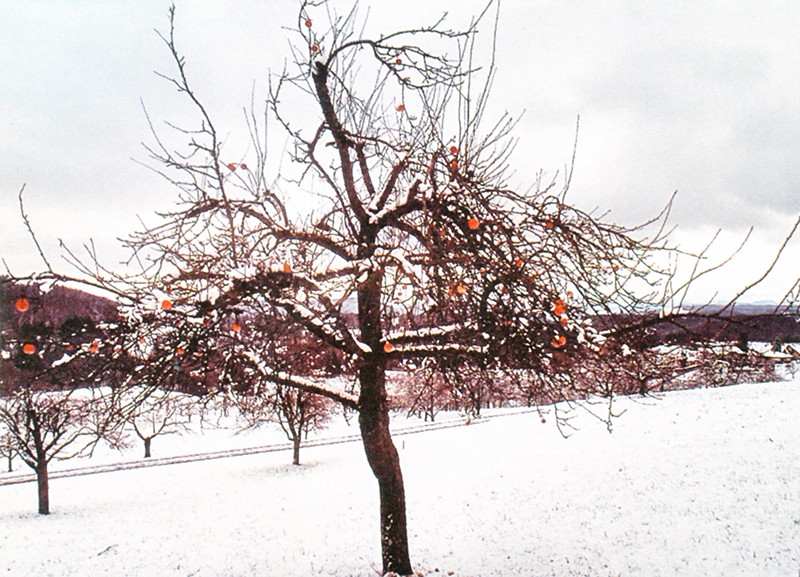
385	463
43	483
373	419
296	450
10	463
147	448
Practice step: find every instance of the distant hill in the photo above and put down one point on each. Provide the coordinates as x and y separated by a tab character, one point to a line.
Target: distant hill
51	308
39	327
752	309
744	323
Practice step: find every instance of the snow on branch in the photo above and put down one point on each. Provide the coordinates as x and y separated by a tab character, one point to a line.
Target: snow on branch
314	387
301	383
434	350
430	332
331	330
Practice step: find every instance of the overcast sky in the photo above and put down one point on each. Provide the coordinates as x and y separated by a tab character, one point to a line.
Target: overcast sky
698	97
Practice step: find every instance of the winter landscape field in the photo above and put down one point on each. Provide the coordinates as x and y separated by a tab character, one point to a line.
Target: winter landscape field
226	225
696	482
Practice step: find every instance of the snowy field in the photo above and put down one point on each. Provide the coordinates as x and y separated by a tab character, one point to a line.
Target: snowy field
697	483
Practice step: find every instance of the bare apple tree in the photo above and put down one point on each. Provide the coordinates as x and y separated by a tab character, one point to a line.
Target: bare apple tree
412	227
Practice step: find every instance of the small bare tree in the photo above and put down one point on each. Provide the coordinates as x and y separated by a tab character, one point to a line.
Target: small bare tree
259	399
48	425
423	393
297	412
155	413
8	447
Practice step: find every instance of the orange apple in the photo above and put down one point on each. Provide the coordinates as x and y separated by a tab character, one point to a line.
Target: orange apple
559	307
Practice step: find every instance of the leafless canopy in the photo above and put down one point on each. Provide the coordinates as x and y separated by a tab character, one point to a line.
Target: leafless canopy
397	195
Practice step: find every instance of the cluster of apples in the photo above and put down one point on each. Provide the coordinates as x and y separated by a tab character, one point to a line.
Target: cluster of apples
308	24
22	305
560	310
454	161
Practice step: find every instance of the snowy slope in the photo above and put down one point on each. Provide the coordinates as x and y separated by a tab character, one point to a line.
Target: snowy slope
699	482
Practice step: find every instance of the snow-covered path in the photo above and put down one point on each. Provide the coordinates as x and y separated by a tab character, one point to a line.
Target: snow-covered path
15	478
700	482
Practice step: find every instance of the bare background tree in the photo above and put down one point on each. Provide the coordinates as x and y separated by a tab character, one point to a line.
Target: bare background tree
296	411
8	447
156	413
50	425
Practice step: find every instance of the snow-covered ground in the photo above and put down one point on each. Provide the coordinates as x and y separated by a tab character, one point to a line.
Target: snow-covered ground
699	482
